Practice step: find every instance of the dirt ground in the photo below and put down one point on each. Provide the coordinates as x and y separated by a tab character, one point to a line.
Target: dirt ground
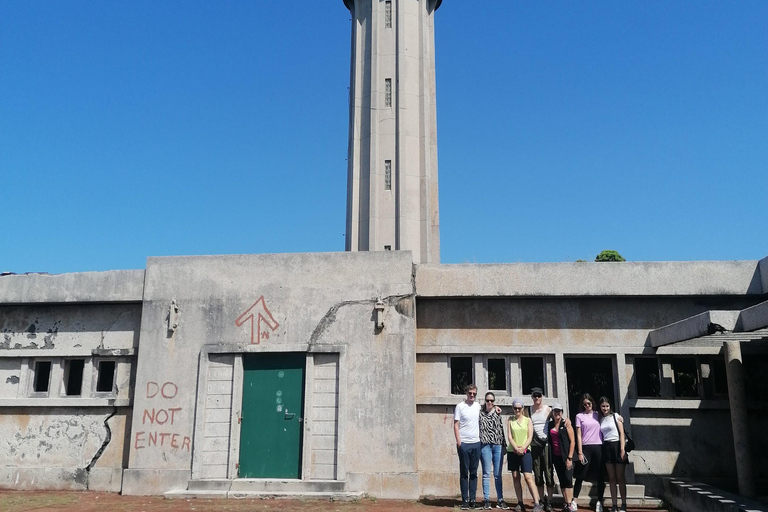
60	501
18	501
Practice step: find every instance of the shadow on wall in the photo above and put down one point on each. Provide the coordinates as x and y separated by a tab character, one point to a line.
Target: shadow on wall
568	313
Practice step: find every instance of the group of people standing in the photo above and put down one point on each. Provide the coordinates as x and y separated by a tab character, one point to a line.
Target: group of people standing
539	445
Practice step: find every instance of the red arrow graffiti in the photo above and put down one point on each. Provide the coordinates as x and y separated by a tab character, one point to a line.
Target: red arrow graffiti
259	312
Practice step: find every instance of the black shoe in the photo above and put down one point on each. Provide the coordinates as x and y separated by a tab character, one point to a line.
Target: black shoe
472	505
502	505
487	505
464	505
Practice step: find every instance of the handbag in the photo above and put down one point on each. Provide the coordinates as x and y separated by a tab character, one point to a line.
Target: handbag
629	443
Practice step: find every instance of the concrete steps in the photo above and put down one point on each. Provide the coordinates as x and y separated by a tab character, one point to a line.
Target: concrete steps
636	497
265	488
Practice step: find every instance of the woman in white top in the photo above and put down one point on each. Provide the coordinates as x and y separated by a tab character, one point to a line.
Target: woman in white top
614	456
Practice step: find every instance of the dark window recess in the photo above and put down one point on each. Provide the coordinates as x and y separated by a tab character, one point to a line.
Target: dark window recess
686	377
755	383
42	376
647	377
497	374
718	375
106	379
532	370
461	374
73	376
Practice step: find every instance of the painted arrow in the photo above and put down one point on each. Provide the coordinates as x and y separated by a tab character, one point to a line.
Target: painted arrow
259	312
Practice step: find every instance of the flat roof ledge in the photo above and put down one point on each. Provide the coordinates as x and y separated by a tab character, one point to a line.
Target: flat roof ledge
669	278
76	287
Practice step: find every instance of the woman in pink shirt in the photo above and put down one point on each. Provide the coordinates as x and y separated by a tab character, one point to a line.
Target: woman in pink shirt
589	442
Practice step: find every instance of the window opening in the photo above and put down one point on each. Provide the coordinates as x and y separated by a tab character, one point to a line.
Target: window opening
388	92
42	377
718	375
73	376
387	247
497	374
686	377
106	379
387	174
755	370
388	14
647	377
461	374
532	370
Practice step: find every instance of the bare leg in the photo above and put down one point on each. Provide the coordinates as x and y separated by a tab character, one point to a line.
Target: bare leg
518	488
532	487
611	470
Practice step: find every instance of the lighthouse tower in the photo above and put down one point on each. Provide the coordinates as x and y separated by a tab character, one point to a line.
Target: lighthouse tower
392	175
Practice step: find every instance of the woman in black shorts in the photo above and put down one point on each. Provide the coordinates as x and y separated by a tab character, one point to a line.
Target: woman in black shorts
614	456
561	445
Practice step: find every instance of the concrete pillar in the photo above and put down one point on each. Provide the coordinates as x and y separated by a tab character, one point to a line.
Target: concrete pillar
738	405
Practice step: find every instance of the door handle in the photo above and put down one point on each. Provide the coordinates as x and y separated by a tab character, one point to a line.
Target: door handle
289	415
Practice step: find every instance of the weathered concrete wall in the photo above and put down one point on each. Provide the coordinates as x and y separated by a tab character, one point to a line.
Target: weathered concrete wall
316	302
557	328
77	287
691	443
662	278
61	448
555	322
69	329
51	440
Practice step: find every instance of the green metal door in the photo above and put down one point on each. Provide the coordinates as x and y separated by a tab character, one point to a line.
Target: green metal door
271	425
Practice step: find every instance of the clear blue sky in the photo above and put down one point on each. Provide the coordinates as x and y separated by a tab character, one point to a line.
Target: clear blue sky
135	129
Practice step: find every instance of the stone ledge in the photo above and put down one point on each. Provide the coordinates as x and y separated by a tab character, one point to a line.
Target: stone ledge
77	287
631	279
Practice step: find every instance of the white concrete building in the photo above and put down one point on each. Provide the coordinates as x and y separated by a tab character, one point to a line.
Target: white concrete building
338	372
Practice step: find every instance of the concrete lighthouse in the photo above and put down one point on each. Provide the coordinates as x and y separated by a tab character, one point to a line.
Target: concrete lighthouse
392	198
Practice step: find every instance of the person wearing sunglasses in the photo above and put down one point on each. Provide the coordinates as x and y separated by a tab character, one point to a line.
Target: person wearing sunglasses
542	469
519	435
589	443
466	428
491	453
562	444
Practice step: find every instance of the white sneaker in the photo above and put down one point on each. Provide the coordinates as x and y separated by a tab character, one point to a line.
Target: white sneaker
574	507
598	507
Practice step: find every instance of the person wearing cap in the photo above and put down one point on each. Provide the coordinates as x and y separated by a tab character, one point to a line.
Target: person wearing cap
466	428
561	446
519	435
542	469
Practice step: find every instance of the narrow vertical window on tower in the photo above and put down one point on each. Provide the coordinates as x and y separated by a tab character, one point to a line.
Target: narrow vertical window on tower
388	14
388	92
387	174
